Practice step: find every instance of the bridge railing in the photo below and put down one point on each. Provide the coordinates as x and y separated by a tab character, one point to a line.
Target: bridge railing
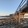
21	4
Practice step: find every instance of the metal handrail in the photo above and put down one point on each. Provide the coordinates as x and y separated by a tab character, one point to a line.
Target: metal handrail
22	2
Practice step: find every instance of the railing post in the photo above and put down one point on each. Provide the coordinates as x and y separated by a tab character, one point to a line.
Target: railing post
19	17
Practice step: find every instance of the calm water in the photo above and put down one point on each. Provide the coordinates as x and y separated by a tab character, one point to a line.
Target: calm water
3	17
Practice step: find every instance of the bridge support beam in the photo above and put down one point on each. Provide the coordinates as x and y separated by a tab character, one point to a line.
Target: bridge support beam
21	16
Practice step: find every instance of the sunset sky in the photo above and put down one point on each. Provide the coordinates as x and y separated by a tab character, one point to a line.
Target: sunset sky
8	6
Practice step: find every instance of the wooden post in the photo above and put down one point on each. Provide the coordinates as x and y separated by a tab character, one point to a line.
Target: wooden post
19	17
21	14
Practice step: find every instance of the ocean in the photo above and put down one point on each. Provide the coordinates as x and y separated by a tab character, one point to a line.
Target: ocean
3	17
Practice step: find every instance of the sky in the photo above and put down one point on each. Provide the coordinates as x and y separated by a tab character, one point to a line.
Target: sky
8	6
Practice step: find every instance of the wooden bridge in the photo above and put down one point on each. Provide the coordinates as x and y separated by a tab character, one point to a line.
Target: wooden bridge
22	9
